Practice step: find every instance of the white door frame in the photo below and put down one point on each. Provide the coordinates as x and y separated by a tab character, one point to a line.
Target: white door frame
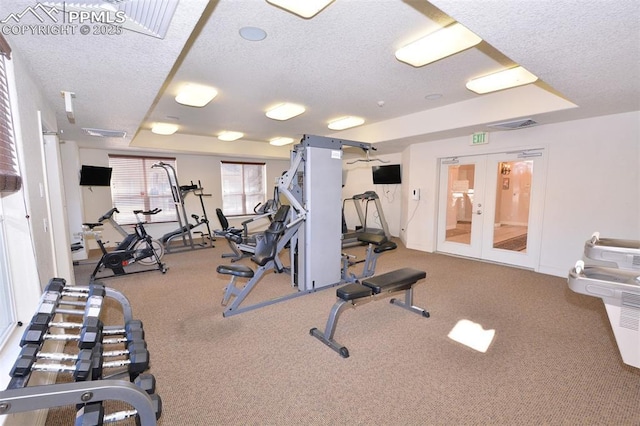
483	208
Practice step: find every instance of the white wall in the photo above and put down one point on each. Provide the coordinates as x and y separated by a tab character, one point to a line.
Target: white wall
358	178
203	168
30	256
592	184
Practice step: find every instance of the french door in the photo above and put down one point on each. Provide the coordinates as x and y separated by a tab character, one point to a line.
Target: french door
490	207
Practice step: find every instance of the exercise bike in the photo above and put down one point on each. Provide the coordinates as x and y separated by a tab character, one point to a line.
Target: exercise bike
133	240
137	247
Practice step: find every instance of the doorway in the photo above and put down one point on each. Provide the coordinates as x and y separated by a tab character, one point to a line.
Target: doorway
490	207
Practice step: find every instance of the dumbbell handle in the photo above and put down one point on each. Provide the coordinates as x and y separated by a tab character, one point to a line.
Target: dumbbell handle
119	416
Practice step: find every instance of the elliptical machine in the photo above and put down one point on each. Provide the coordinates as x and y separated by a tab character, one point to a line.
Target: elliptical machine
137	247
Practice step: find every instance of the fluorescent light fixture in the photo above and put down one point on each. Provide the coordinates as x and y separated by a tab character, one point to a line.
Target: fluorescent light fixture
230	136
164	128
280	141
345	123
285	111
437	45
505	79
304	8
196	95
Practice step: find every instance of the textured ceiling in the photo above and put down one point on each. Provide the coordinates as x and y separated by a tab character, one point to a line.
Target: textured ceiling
341	62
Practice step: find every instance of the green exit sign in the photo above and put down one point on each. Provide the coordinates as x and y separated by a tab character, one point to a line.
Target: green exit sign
480	138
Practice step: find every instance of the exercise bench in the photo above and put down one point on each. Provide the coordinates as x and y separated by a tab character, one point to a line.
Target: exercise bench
348	295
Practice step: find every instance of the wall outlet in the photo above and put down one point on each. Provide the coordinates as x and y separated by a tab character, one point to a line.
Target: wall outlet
416	194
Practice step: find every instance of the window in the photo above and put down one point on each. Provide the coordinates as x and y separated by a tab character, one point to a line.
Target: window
135	185
10	181
243	187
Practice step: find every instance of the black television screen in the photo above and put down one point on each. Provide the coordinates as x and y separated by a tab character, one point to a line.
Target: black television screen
95	176
388	174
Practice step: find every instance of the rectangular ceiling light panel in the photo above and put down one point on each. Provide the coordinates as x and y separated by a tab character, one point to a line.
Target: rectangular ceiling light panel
305	8
345	123
164	128
285	111
196	95
280	141
437	45
229	136
506	79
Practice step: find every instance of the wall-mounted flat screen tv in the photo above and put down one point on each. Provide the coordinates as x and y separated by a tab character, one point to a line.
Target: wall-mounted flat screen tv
95	176
387	174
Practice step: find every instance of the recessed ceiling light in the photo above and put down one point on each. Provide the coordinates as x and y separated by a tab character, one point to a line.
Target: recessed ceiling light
304	8
345	123
230	136
285	111
164	128
437	45
505	79
252	33
196	95
279	141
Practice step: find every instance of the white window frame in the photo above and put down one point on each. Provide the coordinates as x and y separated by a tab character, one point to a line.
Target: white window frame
231	209
155	195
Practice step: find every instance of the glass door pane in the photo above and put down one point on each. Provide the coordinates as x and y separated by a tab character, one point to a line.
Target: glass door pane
460	194
513	201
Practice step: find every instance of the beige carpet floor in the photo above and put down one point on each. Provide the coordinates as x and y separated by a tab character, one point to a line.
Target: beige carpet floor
553	360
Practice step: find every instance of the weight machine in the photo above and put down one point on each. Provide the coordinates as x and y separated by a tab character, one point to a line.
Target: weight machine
186	230
313	229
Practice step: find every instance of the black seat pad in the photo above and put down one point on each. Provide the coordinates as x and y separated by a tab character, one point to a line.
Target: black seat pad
353	291
389	245
400	279
368	237
236	270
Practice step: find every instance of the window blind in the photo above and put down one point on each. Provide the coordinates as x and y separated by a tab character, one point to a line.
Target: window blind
243	187
10	180
137	186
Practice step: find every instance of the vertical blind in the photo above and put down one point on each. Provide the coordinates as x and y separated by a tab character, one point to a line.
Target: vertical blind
10	180
135	185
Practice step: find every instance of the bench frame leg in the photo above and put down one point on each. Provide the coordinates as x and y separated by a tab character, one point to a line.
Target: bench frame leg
408	303
326	337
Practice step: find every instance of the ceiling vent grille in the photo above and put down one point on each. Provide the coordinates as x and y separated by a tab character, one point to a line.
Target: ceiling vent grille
101	133
151	18
513	125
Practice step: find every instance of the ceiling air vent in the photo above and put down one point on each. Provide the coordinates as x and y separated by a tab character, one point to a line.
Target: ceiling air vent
513	125
142	16
101	133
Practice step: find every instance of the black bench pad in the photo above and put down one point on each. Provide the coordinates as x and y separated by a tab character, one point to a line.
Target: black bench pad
236	270
353	291
400	279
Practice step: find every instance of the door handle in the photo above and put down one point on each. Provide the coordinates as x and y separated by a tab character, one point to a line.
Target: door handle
479	212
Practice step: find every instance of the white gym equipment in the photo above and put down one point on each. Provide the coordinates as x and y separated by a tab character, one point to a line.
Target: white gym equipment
617	286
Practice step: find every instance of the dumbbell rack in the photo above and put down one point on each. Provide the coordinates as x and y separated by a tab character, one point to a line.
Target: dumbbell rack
19	397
